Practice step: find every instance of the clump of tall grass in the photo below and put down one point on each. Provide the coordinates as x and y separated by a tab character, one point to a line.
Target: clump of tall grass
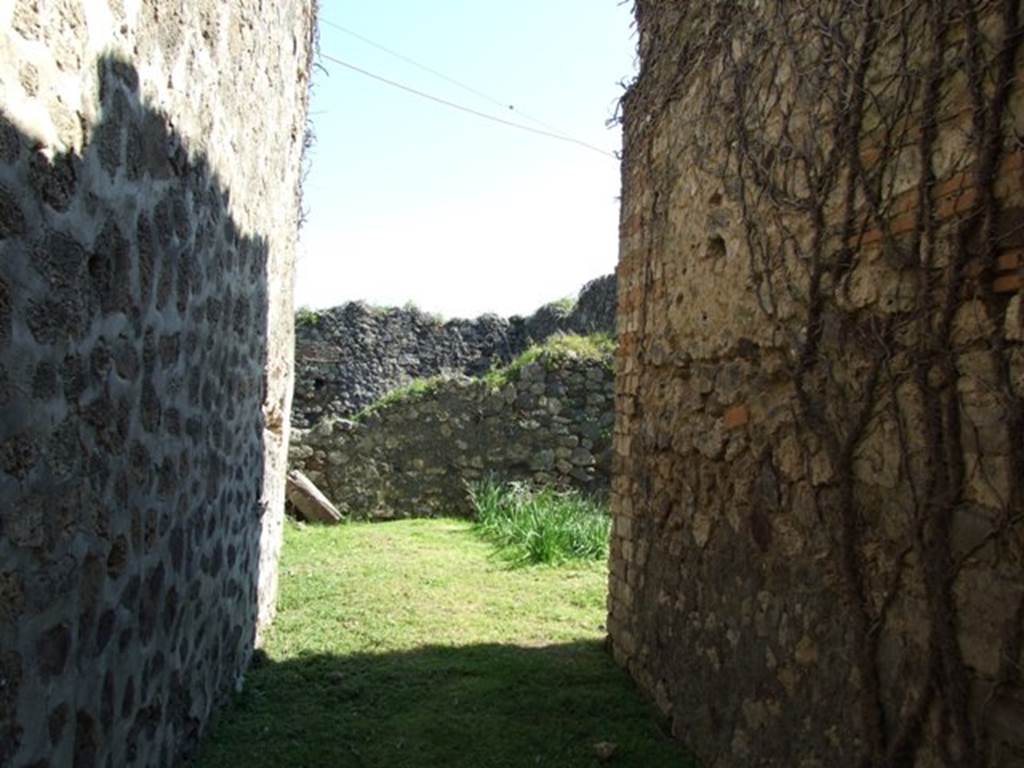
541	525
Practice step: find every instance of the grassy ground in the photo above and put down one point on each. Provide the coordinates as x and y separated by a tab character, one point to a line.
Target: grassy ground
535	526
410	644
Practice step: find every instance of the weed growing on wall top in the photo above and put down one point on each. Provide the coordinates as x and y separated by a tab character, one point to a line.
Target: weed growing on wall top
305	316
435	317
414	390
597	346
556	349
541	525
565	304
593	347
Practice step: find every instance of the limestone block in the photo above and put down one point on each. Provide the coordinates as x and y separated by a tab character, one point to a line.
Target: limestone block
310	501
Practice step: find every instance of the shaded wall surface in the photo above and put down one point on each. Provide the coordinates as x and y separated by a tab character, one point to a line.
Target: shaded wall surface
350	356
818	555
549	423
149	158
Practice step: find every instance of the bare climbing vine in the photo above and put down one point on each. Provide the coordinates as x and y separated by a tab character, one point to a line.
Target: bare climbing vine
862	142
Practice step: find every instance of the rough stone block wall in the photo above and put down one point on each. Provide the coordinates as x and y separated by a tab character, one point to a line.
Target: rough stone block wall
149	163
818	552
549	423
349	356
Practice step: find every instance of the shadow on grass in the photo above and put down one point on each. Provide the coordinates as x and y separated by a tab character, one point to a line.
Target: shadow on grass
473	706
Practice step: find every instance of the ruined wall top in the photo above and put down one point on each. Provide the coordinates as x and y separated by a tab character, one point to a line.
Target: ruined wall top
349	356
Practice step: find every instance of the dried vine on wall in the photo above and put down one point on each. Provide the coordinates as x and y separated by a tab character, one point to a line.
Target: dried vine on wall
863	143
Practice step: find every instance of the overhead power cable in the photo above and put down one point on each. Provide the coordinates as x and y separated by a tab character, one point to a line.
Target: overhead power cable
468	110
441	75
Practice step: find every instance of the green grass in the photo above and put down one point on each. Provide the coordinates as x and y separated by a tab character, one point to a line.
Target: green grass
557	348
435	317
563	305
408	644
414	390
597	346
307	316
541	525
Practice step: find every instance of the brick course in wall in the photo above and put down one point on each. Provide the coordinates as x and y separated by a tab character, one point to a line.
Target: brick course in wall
786	602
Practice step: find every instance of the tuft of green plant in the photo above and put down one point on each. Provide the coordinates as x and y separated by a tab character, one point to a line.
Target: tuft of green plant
555	349
307	316
413	308
541	525
502	375
565	305
596	346
414	390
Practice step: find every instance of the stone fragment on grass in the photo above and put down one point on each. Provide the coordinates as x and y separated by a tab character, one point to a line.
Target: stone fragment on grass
309	501
605	750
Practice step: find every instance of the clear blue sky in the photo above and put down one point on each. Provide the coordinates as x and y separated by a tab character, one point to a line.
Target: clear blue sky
412	201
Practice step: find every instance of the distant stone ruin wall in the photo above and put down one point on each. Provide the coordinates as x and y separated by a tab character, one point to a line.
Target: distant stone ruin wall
149	163
349	356
818	552
414	457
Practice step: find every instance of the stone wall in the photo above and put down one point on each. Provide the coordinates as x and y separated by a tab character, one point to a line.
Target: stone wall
413	455
349	356
818	553
149	163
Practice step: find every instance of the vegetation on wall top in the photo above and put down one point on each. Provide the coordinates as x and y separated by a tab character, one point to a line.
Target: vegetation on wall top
598	347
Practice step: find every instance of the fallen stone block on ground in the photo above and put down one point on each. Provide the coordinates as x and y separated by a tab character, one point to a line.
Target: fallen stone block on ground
309	501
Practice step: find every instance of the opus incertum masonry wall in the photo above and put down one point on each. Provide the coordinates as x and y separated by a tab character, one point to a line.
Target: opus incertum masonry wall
149	168
417	455
348	357
818	553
